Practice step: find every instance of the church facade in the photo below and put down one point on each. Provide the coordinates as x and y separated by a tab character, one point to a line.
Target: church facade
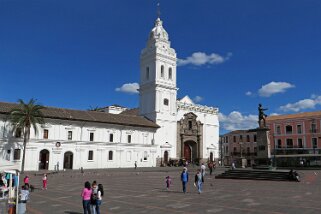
163	128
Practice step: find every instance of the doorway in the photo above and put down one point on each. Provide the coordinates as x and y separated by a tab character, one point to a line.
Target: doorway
68	160
166	157
44	159
211	156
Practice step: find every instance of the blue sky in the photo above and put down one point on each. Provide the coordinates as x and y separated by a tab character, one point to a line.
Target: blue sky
233	54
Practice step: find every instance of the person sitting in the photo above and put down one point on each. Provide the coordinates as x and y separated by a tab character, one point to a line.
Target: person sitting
294	176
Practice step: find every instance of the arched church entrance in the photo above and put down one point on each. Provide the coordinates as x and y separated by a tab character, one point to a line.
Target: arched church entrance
190	138
68	160
190	151
43	159
166	157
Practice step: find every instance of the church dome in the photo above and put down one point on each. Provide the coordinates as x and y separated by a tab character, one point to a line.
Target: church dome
158	32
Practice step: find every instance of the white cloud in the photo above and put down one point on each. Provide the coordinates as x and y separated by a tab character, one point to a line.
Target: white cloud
309	103
130	88
201	58
274	88
248	93
198	99
235	120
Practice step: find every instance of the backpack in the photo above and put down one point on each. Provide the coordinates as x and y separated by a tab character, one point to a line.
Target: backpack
93	198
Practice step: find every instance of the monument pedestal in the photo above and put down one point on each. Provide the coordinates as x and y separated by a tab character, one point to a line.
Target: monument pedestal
263	146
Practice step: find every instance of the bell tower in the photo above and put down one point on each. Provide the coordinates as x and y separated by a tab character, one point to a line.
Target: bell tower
158	90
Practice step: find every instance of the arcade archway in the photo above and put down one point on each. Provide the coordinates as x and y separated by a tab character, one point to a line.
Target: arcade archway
44	159
68	160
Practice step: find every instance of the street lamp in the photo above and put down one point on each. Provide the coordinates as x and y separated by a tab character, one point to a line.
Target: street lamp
241	154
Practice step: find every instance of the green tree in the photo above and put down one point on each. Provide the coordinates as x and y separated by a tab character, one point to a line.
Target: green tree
25	117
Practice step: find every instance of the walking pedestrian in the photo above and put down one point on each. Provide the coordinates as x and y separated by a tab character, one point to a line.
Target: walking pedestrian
100	194
168	181
26	181
199	180
184	179
210	166
44	181
86	194
135	164
203	167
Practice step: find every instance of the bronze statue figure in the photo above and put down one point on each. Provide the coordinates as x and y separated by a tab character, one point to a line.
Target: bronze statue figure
262	116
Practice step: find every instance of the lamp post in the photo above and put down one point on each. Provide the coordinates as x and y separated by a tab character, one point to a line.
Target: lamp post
241	154
274	152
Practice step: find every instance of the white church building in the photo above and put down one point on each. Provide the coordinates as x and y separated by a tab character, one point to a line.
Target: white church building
161	129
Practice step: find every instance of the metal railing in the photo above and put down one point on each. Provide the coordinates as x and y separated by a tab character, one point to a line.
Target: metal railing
294	151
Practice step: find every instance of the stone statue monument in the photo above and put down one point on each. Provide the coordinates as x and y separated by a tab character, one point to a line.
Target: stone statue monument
263	141
262	116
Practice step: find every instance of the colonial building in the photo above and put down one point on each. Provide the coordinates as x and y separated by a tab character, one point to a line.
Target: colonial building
239	145
294	141
295	138
162	128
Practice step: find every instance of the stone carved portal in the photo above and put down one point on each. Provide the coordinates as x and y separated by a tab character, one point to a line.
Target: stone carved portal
189	142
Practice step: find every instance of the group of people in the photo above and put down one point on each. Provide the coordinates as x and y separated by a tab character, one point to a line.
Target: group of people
26	181
198	179
92	197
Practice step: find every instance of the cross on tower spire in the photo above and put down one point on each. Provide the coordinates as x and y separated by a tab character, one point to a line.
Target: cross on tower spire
158	10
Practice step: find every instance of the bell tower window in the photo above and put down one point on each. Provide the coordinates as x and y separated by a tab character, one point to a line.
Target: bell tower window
170	73
166	102
147	73
162	71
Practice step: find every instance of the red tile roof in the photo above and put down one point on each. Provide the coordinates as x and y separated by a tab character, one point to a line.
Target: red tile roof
295	116
90	116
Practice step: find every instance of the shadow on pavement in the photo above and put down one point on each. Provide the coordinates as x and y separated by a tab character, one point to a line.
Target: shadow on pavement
71	212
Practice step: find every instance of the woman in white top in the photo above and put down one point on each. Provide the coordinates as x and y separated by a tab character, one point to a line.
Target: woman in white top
100	194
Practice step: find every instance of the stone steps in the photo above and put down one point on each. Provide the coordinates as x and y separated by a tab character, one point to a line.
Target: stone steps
255	175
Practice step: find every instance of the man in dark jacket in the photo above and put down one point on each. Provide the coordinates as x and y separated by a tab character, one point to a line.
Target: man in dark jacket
184	178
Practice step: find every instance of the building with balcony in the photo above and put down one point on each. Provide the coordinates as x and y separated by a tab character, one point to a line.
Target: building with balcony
238	145
295	138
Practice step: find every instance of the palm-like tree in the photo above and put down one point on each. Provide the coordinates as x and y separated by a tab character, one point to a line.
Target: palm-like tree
25	117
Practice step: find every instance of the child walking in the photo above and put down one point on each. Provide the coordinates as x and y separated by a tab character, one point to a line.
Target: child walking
168	181
44	181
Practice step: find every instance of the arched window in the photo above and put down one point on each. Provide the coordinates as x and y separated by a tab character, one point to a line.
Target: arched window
166	102
147	73
110	155
145	155
170	73
162	71
190	125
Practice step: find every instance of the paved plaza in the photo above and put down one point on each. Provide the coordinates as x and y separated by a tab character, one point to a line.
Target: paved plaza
143	191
